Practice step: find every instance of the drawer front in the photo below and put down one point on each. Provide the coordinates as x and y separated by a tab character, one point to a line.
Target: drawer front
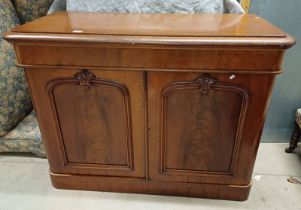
205	127
151	58
97	117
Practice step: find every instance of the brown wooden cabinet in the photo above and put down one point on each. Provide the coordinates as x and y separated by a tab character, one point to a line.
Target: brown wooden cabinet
171	107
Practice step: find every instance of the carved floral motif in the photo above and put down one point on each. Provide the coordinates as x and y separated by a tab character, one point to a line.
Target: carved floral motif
85	77
205	82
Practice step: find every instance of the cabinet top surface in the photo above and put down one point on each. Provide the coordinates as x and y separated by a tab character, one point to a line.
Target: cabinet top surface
199	25
183	29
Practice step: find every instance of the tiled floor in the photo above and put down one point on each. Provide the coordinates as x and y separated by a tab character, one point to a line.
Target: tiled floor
24	184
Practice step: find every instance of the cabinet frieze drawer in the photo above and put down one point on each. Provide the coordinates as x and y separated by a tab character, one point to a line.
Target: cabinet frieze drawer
221	60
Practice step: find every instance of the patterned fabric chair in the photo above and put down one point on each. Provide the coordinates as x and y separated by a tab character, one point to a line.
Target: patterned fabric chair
25	137
295	138
19	131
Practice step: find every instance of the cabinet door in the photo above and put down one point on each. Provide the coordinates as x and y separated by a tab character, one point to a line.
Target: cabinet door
92	120
196	124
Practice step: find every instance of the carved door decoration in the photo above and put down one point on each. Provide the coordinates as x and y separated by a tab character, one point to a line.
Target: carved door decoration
201	123
94	120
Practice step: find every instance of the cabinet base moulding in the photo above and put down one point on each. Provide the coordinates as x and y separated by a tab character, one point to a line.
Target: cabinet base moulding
140	185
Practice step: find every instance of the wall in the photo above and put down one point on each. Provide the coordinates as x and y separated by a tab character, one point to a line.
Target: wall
287	92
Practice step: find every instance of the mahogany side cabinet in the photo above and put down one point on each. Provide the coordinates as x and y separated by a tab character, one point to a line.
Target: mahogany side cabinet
170	104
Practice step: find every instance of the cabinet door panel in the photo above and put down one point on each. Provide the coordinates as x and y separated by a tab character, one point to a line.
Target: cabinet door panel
199	130
98	117
196	124
94	121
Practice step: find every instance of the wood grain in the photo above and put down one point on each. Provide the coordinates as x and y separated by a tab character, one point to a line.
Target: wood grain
257	97
88	136
93	131
237	60
219	25
234	30
125	185
202	121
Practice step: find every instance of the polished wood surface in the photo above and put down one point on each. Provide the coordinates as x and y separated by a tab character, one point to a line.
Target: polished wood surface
222	135
149	41
201	120
152	58
184	29
220	25
108	141
115	184
172	106
97	130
